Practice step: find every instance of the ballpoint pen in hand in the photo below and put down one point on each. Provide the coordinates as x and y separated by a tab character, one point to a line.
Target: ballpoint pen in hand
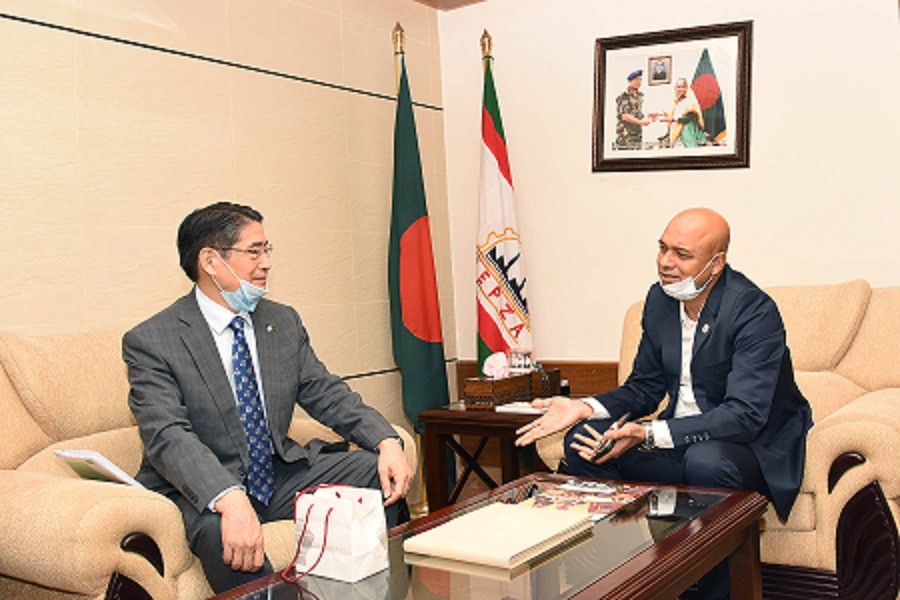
607	444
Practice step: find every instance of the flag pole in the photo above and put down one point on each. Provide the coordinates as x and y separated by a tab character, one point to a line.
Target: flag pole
399	38
420	509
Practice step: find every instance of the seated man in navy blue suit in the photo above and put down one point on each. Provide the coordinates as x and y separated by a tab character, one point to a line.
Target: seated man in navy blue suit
715	343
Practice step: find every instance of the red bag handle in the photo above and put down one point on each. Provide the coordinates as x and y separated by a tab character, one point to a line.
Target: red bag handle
294	578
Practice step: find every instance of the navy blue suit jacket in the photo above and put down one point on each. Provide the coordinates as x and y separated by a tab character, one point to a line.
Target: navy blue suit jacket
742	376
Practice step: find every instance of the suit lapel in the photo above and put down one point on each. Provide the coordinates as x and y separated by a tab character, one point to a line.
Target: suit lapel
670	327
265	331
710	313
198	340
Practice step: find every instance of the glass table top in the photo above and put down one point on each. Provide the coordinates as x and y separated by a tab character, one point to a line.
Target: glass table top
559	573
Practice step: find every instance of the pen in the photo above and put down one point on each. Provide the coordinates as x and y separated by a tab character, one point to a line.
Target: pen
605	444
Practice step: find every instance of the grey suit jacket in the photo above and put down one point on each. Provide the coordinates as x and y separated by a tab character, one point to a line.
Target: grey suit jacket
186	410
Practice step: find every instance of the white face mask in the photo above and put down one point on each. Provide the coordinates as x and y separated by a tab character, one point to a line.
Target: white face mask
687	289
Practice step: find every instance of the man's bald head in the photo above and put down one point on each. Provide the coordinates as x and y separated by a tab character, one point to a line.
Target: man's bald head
693	245
701	228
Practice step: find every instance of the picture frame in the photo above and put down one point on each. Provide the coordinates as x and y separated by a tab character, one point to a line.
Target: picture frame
695	110
659	70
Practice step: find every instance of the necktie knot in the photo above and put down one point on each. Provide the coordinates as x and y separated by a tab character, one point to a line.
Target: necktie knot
237	326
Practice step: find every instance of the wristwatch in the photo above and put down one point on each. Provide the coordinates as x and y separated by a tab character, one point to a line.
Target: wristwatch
649	442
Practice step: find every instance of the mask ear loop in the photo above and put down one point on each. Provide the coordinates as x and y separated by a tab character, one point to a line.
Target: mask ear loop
708	265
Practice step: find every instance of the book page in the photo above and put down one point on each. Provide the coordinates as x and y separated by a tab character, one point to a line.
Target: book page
93	465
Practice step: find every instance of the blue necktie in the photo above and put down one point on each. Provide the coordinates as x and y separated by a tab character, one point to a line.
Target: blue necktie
261	476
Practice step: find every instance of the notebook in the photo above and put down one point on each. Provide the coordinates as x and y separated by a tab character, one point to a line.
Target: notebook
499	535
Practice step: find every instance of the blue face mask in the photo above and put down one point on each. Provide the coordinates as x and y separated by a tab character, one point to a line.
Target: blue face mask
246	297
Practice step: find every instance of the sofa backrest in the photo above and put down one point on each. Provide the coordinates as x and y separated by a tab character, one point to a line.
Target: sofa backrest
844	340
873	358
59	387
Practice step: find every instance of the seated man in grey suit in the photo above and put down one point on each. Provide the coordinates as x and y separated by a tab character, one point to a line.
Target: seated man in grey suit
214	381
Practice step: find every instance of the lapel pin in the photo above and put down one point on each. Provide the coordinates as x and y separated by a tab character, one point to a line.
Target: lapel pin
270	328
705	328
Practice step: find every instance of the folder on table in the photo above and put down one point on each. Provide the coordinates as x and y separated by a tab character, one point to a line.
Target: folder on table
499	535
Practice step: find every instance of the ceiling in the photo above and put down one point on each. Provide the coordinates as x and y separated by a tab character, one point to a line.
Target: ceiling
448	4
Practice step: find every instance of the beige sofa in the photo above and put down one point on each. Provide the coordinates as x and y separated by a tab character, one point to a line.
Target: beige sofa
63	536
841	532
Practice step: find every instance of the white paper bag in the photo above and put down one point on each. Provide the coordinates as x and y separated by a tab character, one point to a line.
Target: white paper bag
341	533
375	587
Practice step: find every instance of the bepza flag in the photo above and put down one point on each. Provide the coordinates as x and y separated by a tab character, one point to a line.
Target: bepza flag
503	321
415	314
709	95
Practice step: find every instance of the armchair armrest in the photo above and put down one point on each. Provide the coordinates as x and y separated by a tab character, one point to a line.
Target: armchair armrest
853	471
869	426
303	429
65	533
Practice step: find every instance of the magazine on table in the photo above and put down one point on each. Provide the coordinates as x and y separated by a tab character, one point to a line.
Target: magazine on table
596	499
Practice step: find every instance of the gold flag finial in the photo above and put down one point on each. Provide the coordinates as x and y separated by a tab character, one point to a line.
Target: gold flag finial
399	42
487	43
399	39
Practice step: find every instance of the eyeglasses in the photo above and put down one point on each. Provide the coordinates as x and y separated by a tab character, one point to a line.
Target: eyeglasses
255	253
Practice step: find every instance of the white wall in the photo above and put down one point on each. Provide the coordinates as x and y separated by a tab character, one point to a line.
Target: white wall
817	205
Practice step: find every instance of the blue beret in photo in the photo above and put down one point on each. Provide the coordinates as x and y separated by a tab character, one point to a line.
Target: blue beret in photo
634	74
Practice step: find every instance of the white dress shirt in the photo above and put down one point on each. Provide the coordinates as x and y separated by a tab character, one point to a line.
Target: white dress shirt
686	403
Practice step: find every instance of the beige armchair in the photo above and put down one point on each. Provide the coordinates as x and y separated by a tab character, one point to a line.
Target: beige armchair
63	536
841	535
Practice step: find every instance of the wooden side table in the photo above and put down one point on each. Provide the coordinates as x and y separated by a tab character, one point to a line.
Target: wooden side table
441	424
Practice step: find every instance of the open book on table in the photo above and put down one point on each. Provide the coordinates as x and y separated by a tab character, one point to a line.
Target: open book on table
499	535
93	465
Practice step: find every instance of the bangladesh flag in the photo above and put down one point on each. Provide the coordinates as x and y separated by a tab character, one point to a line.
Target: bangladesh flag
709	95
503	320
415	313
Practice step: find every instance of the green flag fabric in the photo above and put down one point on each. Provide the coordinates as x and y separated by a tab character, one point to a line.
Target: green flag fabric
415	312
706	87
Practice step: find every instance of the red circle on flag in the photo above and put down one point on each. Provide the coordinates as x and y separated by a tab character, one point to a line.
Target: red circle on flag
418	284
706	88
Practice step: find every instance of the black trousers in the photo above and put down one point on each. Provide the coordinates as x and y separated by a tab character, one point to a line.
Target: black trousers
358	469
713	463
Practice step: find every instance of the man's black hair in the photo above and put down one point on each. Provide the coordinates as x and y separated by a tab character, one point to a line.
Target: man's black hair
215	226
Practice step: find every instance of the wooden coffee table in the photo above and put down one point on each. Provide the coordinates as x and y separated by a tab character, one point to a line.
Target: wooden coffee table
627	556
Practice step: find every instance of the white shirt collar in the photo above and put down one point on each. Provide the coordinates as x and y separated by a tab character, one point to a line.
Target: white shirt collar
217	316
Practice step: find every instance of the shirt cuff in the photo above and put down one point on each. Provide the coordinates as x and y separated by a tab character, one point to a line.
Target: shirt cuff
396	438
212	503
600	411
662	435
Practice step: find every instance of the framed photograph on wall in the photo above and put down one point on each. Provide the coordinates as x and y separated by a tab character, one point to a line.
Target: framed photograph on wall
676	99
659	69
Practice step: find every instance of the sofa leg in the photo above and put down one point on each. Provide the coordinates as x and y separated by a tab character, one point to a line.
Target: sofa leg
868	551
124	588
